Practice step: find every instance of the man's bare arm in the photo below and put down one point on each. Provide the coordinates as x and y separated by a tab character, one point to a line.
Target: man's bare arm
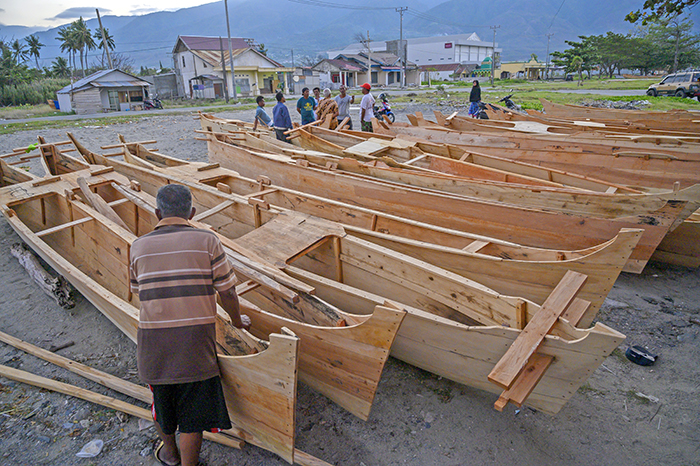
229	301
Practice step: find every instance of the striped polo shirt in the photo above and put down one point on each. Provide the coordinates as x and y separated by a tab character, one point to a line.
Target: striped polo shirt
176	270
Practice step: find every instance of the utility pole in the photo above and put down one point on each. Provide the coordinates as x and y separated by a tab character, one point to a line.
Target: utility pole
292	58
104	43
546	72
401	10
493	54
223	67
369	62
230	51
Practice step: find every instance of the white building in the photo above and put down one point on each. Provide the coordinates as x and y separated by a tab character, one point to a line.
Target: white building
463	49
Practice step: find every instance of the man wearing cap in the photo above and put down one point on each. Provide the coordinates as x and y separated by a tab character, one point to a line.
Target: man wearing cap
366	108
343	100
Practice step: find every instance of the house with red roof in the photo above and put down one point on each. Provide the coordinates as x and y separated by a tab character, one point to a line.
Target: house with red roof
203	68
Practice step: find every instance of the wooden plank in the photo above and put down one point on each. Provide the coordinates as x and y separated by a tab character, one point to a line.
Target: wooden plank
213	211
208	166
100	204
475	246
109	402
342	123
45	181
522	349
62	226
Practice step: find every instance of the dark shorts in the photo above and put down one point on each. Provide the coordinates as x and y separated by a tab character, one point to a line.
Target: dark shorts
367	126
280	134
191	407
348	126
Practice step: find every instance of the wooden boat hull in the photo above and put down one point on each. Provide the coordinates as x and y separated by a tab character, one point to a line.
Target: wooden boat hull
508	268
525	226
260	388
561	199
343	355
654	170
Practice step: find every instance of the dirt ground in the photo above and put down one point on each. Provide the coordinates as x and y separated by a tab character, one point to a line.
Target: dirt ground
624	415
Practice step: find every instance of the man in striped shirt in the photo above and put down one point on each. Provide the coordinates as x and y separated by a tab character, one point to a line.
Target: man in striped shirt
177	271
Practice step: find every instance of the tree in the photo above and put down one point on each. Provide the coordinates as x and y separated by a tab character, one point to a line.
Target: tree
108	40
577	64
672	45
60	68
19	52
653	10
262	49
35	46
585	50
69	43
84	40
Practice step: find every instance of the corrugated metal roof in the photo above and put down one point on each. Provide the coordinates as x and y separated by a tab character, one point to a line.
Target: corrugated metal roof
92	80
212	43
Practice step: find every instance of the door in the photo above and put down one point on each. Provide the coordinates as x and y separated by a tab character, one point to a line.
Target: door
218	90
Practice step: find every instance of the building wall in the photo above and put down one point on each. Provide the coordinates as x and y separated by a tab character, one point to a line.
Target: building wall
87	101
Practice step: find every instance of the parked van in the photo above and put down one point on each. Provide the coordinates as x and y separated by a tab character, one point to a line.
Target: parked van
681	84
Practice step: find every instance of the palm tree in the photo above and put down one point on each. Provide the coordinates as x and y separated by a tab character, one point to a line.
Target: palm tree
577	64
19	52
68	43
60	68
84	40
108	39
34	46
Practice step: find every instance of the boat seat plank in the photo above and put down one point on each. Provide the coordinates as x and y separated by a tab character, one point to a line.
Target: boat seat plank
289	235
522	349
213	211
475	246
367	148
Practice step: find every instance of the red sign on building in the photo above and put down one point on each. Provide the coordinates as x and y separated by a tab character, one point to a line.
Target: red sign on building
448	45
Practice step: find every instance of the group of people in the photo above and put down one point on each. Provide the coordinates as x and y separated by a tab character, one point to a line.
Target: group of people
317	108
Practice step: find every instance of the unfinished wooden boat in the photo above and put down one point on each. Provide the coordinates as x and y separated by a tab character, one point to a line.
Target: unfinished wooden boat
681	246
359	345
10	175
446	175
683	117
526	226
472	164
91	251
631	168
440	332
505	267
658	130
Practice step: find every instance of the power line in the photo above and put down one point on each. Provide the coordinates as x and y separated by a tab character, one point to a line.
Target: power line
433	19
555	15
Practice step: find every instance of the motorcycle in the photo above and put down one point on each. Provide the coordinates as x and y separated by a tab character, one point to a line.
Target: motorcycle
510	105
481	113
149	104
385	111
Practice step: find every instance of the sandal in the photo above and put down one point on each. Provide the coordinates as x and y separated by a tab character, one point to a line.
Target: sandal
157	450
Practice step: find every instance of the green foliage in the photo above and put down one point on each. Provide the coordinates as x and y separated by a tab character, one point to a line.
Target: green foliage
36	92
653	10
666	44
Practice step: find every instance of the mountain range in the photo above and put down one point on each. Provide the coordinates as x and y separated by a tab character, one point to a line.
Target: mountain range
292	29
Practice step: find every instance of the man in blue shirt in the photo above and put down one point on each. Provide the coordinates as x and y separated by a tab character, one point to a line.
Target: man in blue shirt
260	115
280	117
306	106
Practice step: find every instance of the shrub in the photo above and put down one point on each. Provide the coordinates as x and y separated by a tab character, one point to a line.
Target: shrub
36	92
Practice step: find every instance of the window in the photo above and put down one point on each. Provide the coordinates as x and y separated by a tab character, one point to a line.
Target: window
135	96
204	63
183	61
113	100
375	78
123	97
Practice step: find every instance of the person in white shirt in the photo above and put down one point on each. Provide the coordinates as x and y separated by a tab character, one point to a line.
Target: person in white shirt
366	108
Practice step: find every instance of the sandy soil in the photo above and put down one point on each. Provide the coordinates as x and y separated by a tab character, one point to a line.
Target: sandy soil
624	415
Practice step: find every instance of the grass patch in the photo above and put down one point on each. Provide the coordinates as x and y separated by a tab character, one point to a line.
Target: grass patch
28	111
608	84
586	389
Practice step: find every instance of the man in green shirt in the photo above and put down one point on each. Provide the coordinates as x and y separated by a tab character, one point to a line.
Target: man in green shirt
306	106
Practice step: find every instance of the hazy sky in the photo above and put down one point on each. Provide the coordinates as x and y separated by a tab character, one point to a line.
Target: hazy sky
53	13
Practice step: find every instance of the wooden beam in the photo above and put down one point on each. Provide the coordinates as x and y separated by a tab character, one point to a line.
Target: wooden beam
107	401
213	211
100	204
522	349
538	364
63	226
